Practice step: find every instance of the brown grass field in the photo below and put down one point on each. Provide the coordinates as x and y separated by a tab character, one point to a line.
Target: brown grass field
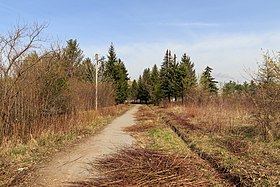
192	146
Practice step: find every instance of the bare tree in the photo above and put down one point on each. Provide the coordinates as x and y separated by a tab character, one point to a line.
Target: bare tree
14	49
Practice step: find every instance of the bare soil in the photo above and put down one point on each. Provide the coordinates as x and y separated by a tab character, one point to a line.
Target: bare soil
73	164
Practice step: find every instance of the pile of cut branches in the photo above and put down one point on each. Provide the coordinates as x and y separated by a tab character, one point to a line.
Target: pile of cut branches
142	167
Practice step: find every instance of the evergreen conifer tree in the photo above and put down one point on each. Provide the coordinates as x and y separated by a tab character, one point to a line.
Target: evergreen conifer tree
134	91
187	75
120	82
156	90
166	76
208	82
142	93
175	78
110	65
72	58
115	72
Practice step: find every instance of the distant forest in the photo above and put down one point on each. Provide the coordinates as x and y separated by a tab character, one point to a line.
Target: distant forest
38	82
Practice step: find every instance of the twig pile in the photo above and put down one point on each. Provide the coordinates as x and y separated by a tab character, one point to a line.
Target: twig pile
141	167
140	127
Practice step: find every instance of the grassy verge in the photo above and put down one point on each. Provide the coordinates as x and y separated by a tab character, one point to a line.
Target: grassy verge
152	134
17	160
227	140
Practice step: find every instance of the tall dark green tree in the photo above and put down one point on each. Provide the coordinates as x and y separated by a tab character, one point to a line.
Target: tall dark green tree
121	82
72	58
166	78
207	82
146	77
187	75
115	72
142	93
156	90
134	91
155	78
145	86
174	77
233	88
110	65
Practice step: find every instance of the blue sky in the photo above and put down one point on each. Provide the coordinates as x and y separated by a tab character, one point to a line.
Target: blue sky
226	35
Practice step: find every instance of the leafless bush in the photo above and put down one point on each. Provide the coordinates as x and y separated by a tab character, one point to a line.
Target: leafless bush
267	97
14	50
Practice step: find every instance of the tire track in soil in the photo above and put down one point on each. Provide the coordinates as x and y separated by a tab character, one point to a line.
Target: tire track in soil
224	173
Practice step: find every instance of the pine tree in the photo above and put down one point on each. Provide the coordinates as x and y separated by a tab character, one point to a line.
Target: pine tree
72	58
146	77
166	76
142	93
208	82
187	74
155	79
121	82
156	90
115	72
134	91
175	78
109	69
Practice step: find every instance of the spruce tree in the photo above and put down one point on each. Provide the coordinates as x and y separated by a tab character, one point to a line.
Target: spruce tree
156	90
146	77
72	58
120	82
166	76
110	65
155	79
142	93
133	91
208	82
187	74
115	72
175	78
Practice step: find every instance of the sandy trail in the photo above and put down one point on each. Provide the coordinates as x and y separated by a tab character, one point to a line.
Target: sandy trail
71	165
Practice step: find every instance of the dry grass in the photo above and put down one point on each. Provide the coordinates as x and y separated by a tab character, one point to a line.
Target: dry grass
214	118
141	127
17	157
146	120
143	114
225	136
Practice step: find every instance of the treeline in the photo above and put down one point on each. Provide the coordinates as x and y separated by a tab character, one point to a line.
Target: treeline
39	82
177	81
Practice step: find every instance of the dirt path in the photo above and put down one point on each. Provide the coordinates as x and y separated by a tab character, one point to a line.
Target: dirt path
71	165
